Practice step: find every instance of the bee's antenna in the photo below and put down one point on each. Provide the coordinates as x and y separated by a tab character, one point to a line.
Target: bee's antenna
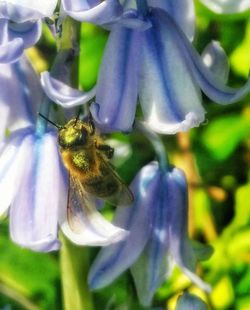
77	117
48	120
91	124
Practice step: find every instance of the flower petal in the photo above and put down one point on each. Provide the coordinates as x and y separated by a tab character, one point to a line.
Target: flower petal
89	227
12	166
210	84
11	51
93	11
190	302
180	247
34	211
153	266
216	60
20	95
113	260
24	10
182	11
29	32
169	96
63	94
117	85
226	7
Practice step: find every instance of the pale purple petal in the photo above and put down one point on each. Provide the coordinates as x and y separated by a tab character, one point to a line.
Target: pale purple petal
20	95
210	84
34	211
153	266
180	247
94	11
12	167
30	32
11	51
89	227
137	218
63	94
117	86
182	11
216	60
24	10
134	20
169	96
228	6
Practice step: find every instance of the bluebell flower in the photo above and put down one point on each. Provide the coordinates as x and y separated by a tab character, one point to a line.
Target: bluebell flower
34	187
18	101
20	26
154	60
190	302
227	6
93	11
158	237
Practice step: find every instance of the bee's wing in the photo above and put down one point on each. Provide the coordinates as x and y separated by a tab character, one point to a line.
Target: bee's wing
88	226
123	195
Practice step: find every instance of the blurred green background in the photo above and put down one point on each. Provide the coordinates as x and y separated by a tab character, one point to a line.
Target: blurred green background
216	159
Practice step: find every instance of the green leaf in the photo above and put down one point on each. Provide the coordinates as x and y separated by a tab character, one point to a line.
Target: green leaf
31	274
240	58
223	135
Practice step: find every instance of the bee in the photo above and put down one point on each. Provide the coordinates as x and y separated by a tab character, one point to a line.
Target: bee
91	175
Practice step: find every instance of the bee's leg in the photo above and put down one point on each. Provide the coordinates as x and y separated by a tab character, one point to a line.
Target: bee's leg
91	125
106	149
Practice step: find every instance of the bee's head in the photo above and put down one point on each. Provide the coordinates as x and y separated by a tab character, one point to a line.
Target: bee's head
74	133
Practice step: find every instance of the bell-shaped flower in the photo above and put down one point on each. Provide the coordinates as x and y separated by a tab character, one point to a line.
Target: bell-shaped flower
157	222
158	64
19	96
227	6
34	187
93	11
20	26
190	302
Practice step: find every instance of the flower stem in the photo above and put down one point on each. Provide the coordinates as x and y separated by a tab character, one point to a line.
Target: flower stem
142	6
156	143
74	269
65	61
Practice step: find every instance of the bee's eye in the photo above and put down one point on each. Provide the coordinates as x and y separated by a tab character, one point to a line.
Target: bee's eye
82	139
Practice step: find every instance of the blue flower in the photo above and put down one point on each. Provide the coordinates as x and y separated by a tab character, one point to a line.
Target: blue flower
157	222
154	60
93	11
18	101
190	302
20	26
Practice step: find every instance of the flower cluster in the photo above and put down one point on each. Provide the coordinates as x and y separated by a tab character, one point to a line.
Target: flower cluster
149	59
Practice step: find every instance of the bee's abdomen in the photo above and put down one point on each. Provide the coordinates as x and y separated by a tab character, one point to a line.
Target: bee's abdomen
101	186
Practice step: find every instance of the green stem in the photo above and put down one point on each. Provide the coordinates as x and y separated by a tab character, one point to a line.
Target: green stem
74	260
156	143
74	263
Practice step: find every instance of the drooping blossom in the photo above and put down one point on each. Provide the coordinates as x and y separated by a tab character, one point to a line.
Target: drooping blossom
154	61
34	183
20	26
157	222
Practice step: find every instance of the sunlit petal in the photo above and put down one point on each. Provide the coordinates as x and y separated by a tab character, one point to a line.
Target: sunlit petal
34	211
117	86
169	96
210	84
182	11
24	10
63	94
180	247
216	60
94	11
113	260
12	166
